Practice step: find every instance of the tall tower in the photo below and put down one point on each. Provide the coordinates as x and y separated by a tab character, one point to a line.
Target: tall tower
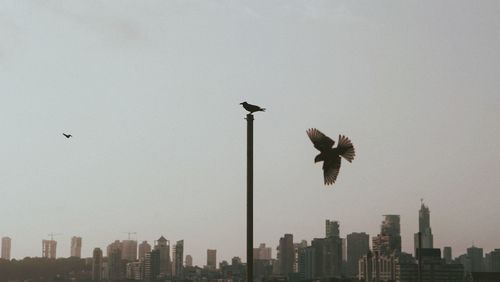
389	239
212	259
332	229
49	249
178	254
97	265
76	247
6	243
189	260
447	254
144	248
286	254
424	227
163	246
129	250
358	245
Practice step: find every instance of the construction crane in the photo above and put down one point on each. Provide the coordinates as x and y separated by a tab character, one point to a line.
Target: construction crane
130	233
52	234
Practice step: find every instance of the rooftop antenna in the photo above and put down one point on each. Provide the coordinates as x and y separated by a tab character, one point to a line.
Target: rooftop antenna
52	234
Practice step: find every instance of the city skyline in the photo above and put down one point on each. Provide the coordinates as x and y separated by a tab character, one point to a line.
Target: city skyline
150	94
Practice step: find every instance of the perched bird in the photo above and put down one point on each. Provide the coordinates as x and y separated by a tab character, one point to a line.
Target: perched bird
67	135
331	156
252	108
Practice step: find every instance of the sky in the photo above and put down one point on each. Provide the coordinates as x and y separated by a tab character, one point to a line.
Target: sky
150	90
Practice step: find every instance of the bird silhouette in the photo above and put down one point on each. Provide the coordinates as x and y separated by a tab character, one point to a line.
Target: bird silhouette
252	108
331	156
67	135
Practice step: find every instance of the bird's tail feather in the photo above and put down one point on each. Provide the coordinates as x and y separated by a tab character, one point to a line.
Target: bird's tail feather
346	148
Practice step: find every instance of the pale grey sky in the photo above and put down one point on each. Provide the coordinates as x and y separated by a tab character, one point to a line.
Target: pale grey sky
151	91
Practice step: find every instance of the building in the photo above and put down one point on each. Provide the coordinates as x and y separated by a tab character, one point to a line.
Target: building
49	249
144	248
115	267
286	255
97	267
493	262
389	239
447	255
189	260
129	250
178	255
358	245
76	247
434	268
476	258
6	245
133	271
262	252
297	249
211	259
152	265
327	257
424	228
163	246
331	228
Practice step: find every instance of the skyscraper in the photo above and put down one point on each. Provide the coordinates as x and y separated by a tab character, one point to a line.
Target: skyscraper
262	252
447	256
189	260
332	229
144	248
212	259
6	244
178	254
76	247
129	250
163	246
115	269
286	254
49	249
389	239
97	265
476	258
424	227
327	257
358	245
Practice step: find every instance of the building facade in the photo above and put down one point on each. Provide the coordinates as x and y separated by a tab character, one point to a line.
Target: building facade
76	247
6	246
97	265
286	254
424	228
144	248
49	248
211	259
358	245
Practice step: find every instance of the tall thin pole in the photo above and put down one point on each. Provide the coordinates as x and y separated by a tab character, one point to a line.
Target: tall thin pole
249	197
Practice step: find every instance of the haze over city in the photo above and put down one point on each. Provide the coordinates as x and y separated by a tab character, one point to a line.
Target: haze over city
150	92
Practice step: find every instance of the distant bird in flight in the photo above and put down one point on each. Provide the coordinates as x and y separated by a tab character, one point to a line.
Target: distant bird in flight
252	108
331	156
67	135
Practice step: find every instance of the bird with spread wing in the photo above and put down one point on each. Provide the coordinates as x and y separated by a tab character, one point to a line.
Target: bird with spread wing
331	156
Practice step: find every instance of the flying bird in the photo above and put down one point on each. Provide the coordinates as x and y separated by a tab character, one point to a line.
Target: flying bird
331	156
252	108
67	135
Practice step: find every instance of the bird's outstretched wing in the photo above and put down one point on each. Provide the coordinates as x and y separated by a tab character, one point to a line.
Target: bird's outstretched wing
320	140
331	168
345	148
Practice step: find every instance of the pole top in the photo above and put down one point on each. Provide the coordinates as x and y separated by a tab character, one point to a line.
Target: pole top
249	117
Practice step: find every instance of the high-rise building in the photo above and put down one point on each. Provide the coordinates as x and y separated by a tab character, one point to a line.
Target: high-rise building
424	227
447	256
163	245
178	255
211	259
476	258
389	239
115	268
97	265
286	254
129	250
189	260
6	244
152	262
49	249
493	264
262	252
327	257
358	245
298	250
76	247
144	248
332	228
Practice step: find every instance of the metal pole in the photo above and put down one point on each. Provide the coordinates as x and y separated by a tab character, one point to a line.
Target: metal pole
249	197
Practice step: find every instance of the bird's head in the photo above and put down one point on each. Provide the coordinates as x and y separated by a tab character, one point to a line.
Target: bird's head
243	103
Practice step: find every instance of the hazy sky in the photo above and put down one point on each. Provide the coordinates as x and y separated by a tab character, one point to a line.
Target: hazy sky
151	91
